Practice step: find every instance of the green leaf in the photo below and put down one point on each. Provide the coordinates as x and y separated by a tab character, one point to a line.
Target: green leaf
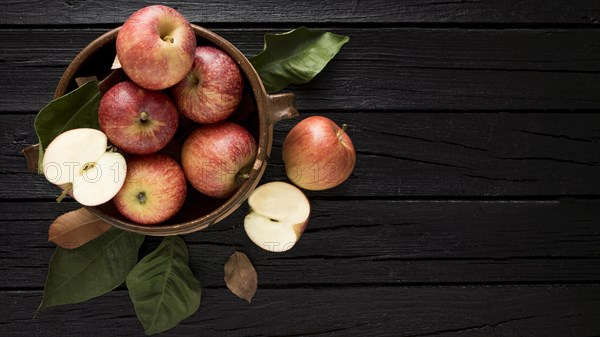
162	287
76	109
99	266
295	57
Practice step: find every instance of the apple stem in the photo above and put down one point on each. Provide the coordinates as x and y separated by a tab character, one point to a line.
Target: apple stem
341	132
64	193
168	38
144	116
243	175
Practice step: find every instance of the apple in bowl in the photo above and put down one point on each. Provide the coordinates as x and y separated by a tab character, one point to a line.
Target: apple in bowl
155	47
81	157
258	116
217	158
213	88
154	190
137	120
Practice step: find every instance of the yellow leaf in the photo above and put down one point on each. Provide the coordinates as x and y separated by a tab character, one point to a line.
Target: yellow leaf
76	228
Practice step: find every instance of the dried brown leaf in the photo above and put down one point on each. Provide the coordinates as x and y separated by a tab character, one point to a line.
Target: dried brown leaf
115	76
32	155
240	276
74	229
83	80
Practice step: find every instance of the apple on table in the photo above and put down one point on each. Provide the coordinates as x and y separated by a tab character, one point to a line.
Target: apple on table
278	216
318	154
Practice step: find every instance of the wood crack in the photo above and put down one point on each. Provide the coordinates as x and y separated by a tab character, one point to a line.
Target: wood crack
319	333
470	328
385	155
426	140
502	179
342	227
587	140
568	161
559	71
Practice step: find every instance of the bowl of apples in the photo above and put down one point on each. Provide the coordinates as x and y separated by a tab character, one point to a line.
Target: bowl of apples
186	125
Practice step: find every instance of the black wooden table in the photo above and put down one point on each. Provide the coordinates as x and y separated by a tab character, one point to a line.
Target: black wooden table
474	208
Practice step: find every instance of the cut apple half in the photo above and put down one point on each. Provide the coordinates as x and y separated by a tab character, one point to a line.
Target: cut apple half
278	216
82	158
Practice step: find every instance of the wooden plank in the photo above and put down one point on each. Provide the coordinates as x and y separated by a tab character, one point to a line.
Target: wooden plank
337	311
472	69
411	154
366	242
312	11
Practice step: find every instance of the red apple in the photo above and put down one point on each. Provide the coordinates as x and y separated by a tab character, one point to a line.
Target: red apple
156	47
212	89
318	154
137	120
217	158
154	189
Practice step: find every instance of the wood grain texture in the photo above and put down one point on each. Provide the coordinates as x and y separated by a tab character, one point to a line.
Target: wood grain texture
411	154
392	242
337	311
456	222
383	69
313	11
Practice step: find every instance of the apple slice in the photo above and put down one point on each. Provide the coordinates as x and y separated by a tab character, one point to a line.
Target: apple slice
82	157
278	216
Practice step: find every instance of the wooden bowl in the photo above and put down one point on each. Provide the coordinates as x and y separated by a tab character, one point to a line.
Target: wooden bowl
198	211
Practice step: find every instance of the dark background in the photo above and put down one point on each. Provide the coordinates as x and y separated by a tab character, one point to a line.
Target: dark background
473	209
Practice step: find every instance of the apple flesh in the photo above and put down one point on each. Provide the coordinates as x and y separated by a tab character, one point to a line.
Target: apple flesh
278	216
318	154
154	189
82	158
156	47
217	158
137	120
212	89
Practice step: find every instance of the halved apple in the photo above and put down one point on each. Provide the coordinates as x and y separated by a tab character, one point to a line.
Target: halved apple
82	158
278	216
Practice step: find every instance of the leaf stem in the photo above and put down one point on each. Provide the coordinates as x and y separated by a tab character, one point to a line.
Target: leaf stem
64	193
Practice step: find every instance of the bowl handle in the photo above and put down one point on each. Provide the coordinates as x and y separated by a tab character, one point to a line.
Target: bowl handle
282	106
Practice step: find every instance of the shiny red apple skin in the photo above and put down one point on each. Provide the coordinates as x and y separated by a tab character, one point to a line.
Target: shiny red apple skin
317	154
121	117
212	89
215	156
156	47
163	184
